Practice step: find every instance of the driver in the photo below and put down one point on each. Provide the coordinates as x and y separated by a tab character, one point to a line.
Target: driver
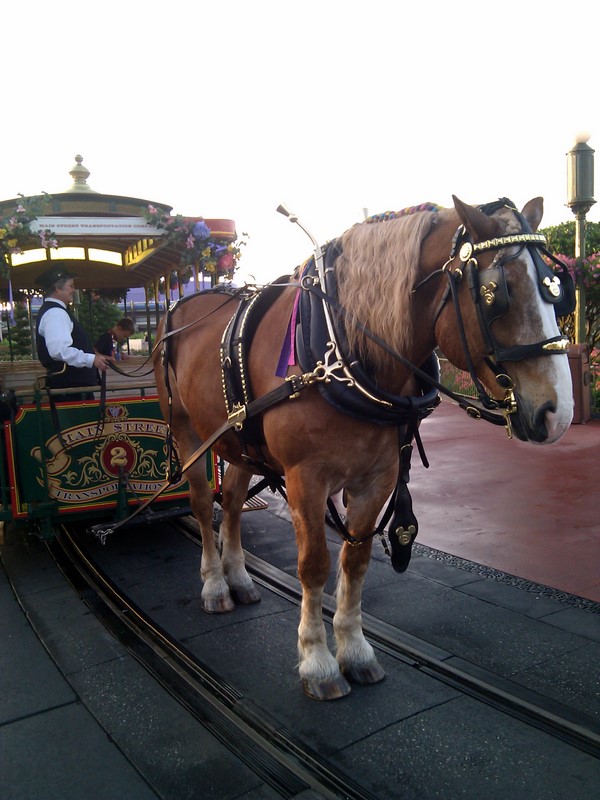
62	344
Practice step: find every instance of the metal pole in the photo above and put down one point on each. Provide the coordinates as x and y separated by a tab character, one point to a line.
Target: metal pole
9	336
148	320
580	319
31	327
580	198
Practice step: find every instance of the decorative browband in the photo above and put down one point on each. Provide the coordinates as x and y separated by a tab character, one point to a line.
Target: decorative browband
467	249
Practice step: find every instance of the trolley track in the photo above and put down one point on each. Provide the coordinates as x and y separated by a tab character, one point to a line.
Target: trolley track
560	721
274	754
282	760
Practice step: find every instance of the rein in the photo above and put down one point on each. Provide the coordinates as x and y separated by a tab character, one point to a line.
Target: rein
175	331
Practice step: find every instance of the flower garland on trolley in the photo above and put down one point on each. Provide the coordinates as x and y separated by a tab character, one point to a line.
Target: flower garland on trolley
198	250
16	234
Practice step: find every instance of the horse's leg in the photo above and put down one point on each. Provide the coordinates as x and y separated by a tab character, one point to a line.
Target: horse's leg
354	654
319	671
216	598
235	489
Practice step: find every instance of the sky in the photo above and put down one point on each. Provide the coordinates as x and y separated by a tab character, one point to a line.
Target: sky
226	109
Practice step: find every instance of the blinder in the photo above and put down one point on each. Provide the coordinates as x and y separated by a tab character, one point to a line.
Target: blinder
556	286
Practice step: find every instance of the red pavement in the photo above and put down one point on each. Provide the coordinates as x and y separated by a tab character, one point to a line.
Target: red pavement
528	510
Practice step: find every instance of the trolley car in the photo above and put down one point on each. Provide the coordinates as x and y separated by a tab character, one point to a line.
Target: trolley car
94	459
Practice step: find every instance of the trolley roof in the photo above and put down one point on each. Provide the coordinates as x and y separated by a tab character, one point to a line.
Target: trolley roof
104	238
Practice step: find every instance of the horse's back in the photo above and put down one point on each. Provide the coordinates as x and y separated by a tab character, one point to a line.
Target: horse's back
191	347
195	378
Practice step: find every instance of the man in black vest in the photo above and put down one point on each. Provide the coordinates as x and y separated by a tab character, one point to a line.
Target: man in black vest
62	343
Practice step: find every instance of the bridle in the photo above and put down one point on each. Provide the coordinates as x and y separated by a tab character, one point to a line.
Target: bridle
488	289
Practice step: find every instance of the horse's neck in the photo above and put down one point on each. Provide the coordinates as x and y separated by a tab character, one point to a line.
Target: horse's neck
396	378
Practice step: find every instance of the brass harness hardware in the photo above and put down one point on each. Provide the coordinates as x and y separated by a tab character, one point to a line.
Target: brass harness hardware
488	293
553	285
561	346
405	534
237	416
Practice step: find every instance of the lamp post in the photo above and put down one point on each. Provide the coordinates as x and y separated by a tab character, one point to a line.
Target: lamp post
580	198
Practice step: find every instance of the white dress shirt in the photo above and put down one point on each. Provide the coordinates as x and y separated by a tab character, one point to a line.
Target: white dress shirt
56	327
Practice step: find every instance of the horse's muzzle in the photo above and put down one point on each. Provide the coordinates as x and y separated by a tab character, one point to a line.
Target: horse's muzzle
541	426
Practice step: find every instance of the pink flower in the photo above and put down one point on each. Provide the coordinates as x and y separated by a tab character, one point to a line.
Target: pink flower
189	242
225	262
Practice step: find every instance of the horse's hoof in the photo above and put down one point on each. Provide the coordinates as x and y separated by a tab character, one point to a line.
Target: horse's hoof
217	605
364	673
245	595
331	689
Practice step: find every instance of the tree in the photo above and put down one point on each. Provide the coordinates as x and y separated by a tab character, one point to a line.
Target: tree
102	317
21	332
561	238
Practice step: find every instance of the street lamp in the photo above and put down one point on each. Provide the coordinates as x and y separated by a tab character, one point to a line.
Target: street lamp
580	198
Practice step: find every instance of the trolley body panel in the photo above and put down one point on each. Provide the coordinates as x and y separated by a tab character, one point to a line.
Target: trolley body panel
74	465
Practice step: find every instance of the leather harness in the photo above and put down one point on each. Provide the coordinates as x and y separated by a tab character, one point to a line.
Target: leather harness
348	387
345	383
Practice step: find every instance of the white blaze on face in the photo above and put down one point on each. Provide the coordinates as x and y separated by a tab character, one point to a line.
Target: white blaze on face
556	367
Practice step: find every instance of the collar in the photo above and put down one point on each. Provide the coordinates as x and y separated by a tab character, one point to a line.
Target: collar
55	300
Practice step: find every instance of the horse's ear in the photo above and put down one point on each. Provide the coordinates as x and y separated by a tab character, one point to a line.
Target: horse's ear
533	212
479	225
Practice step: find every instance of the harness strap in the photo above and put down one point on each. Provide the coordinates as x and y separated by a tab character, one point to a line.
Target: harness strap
482	395
404	525
101	406
55	420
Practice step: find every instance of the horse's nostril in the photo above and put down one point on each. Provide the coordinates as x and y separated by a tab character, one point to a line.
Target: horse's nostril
540	428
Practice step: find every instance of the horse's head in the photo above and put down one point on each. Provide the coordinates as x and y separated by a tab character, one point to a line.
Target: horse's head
497	315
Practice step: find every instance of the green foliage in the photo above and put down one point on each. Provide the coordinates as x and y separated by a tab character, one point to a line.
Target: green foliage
21	332
561	238
104	315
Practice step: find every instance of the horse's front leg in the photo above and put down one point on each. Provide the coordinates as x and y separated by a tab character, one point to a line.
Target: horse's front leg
235	490
319	671
354	654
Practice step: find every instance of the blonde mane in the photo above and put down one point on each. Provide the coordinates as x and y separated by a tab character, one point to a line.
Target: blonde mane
376	272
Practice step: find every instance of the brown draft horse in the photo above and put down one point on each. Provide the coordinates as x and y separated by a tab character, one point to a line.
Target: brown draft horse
381	273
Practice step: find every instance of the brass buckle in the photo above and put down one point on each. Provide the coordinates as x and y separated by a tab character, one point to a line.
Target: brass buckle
237	416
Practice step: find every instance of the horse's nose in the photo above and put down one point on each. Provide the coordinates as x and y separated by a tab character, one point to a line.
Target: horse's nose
540	422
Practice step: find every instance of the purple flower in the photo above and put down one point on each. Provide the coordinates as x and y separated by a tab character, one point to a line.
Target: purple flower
201	230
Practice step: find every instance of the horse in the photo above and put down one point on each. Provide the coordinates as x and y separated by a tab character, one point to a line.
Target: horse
467	280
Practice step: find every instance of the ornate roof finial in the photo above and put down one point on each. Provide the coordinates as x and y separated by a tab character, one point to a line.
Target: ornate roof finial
80	174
